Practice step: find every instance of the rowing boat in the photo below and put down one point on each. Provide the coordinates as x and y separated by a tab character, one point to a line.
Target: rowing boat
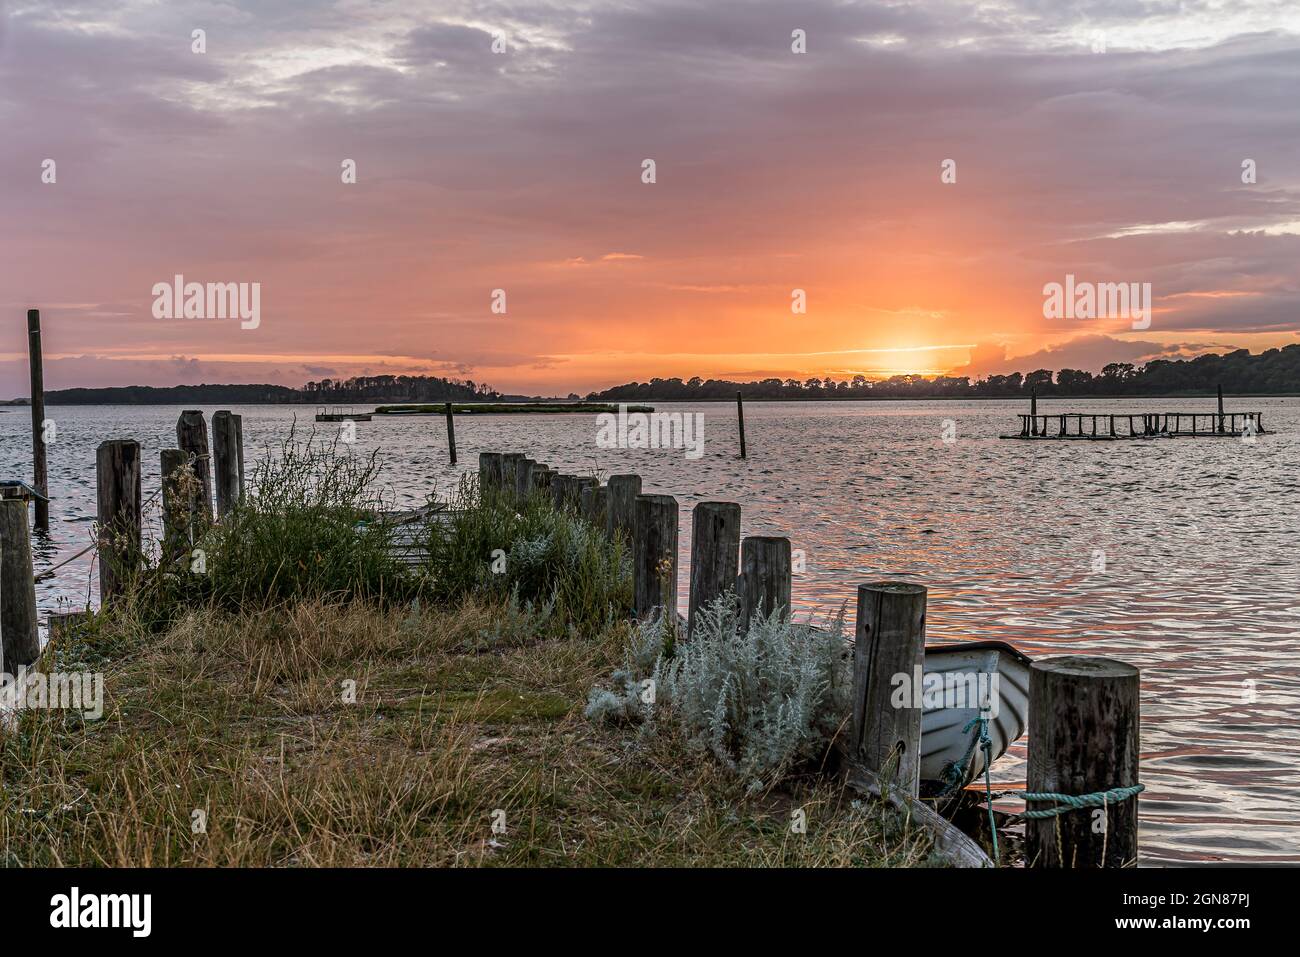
948	729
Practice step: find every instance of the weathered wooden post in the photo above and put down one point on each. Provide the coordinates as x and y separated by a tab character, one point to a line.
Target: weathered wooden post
40	471
621	517
524	477
228	459
61	623
180	504
740	417
192	438
489	472
19	626
560	483
593	503
542	476
577	485
1083	740
715	545
117	479
1220	388
890	641
654	556
764	580
451	434
509	469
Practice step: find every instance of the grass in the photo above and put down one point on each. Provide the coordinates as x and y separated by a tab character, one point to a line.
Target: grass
242	716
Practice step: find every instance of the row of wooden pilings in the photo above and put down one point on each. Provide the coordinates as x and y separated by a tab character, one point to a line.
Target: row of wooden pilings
187	509
1084	711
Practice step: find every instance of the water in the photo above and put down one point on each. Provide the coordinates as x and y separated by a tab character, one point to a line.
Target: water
1199	587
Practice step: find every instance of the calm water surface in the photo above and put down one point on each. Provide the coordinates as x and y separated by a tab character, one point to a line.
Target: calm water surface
1200	586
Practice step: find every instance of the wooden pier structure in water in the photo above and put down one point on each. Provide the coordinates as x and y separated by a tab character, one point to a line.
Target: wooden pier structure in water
1108	427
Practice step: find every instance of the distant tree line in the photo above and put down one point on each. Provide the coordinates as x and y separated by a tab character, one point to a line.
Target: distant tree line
1274	371
395	388
382	388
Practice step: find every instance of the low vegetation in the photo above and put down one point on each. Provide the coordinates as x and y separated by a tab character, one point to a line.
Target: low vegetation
307	702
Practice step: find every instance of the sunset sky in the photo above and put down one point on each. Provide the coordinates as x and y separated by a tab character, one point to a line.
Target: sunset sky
1104	139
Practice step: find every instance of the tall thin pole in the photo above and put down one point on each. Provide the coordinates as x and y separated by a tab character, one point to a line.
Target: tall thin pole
40	474
451	434
1220	407
740	414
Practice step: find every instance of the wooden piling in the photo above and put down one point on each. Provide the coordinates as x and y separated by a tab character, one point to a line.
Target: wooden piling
541	476
764	580
117	480
654	556
1083	739
577	485
180	504
593	504
524	477
40	470
451	434
621	516
890	641
1220	389
192	438
489	472
740	418
228	459
19	626
715	546
561	483
509	468
61	623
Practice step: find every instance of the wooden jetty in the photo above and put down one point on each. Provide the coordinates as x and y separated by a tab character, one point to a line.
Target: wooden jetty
1111	427
337	416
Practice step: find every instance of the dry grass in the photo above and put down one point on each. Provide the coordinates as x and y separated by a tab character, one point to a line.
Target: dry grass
459	714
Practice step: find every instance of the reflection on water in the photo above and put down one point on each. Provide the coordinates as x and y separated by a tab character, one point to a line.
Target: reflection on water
1175	555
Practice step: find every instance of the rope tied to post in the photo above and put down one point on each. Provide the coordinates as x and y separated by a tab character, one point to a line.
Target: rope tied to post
1069	802
1064	803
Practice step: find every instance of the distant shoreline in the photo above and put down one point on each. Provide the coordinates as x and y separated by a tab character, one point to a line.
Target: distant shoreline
584	405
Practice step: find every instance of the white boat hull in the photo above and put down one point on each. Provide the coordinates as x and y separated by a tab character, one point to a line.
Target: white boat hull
946	730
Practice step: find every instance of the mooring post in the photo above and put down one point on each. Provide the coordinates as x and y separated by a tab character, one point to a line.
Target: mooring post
1083	740
117	481
764	580
228	459
654	556
593	503
489	471
192	438
621	517
577	485
715	545
524	477
889	643
1033	404
40	471
740	417
180	504
509	470
1220	388
451	434
61	623
560	482
19	625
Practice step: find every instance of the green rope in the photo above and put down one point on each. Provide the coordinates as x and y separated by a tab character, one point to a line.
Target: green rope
1072	802
956	773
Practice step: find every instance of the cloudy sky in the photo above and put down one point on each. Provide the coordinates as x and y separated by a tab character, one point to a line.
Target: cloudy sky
1102	138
